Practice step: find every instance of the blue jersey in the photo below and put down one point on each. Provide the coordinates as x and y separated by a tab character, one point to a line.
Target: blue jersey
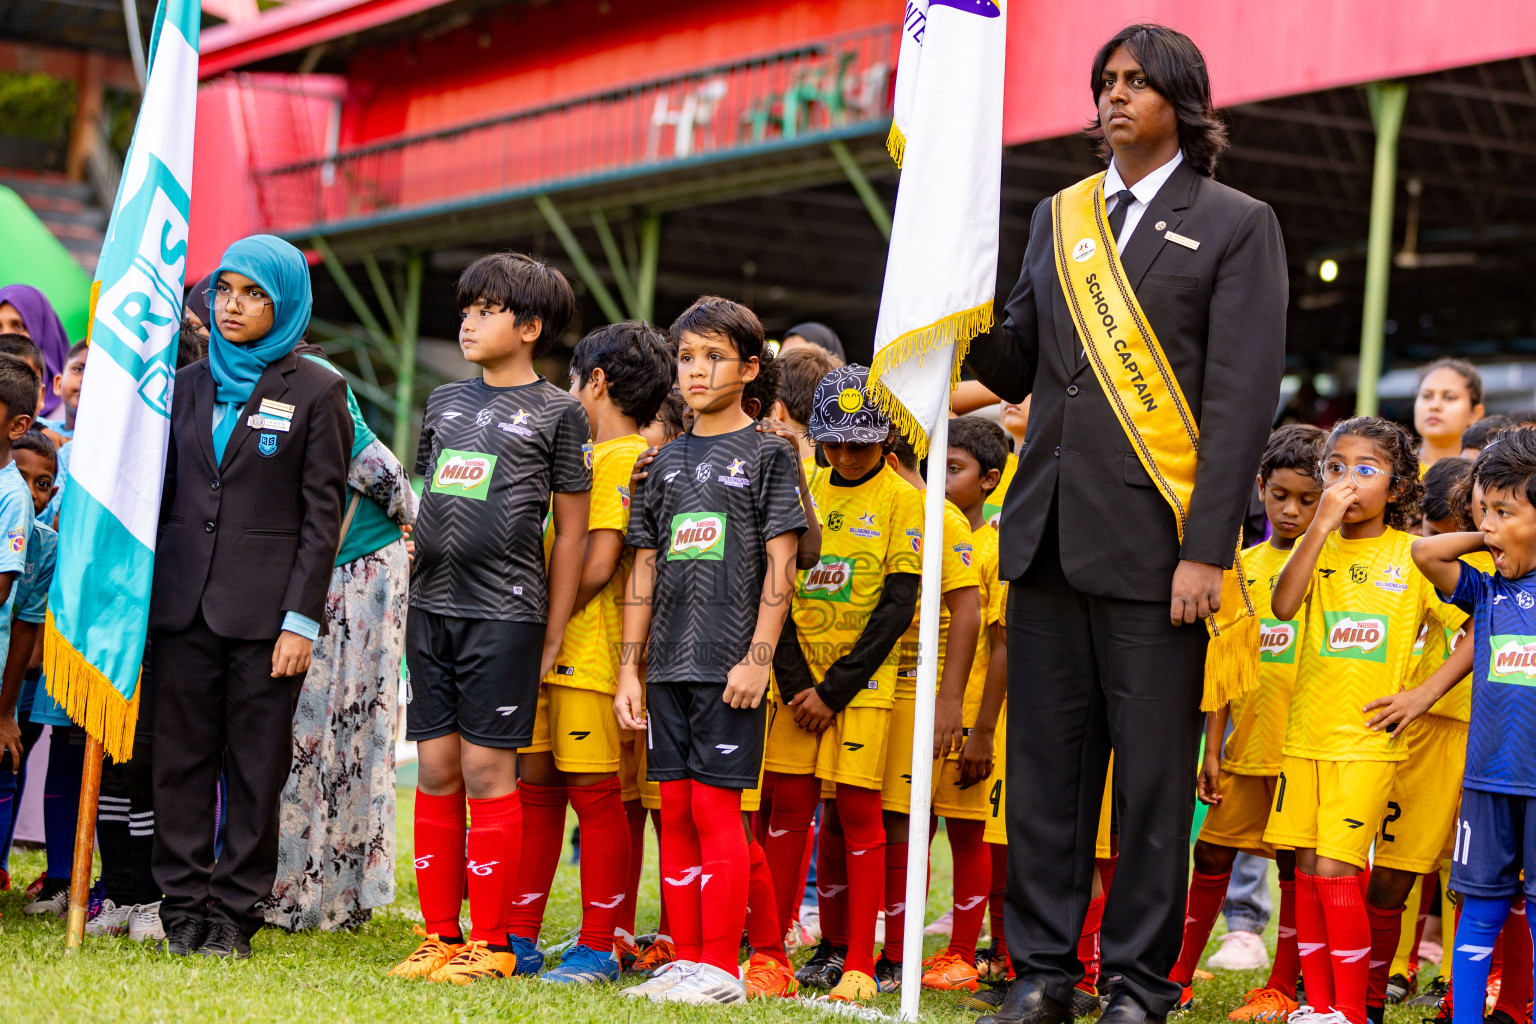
31	602
1501	741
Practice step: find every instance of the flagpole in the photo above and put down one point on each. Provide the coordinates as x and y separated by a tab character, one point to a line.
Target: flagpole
85	841
922	720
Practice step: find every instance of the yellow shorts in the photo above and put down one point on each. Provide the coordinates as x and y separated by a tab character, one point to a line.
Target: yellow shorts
1333	807
789	749
852	750
997	787
952	800
650	792
631	774
1241	817
579	727
896	787
1103	847
1419	828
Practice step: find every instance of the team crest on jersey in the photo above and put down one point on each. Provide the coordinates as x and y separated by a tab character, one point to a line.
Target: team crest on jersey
829	580
866	527
915	538
483	417
1524	600
586	456
1392	579
465	474
735	475
698	536
624	497
1277	641
266	443
1358	573
701	472
834	521
1354	635
964	551
1514	660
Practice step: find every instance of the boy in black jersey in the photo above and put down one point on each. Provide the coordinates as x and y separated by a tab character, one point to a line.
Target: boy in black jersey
485	622
714	528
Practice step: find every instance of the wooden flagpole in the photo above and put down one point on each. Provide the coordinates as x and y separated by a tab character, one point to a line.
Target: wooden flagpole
85	843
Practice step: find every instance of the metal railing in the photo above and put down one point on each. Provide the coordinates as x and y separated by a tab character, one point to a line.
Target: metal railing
825	86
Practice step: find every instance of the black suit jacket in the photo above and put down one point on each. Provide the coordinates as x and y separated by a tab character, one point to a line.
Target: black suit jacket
253	536
1219	313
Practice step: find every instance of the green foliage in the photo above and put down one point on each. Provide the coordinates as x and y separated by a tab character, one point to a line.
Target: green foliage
35	106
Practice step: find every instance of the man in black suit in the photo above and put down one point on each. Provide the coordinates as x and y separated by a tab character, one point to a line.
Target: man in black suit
1106	644
242	567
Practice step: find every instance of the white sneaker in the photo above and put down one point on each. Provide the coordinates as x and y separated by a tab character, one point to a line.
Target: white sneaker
1240	951
55	904
706	985
1303	1014
944	924
113	920
665	977
144	924
1331	1017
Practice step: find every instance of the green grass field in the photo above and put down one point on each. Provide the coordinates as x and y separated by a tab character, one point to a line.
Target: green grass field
325	977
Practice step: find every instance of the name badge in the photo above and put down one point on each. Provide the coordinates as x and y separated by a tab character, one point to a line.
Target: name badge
283	409
1188	243
260	422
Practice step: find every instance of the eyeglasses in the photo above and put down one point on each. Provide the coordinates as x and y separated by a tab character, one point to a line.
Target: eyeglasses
219	297
1334	470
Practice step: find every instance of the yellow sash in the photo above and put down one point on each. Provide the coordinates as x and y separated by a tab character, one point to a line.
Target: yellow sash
1133	371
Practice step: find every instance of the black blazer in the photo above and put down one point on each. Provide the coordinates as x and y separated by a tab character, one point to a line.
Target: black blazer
1219	313
271	548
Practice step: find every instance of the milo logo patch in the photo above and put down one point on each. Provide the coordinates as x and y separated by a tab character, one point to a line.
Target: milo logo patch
1277	641
698	535
1354	635
1513	661
832	580
466	474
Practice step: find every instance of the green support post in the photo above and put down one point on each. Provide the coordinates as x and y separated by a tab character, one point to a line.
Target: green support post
405	377
616	263
578	256
650	252
1388	100
860	182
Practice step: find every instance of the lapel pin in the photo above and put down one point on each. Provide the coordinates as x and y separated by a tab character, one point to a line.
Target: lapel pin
1159	225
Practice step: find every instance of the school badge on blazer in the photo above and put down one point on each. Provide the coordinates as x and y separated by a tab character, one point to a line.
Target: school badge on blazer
266	444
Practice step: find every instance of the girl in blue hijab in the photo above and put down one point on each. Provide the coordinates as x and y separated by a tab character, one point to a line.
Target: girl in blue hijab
258	310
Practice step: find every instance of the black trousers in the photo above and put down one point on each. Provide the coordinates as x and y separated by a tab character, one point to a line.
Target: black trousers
218	707
1087	675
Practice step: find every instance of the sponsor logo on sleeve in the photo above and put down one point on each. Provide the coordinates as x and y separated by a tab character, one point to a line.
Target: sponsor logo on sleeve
1277	641
964	551
17	539
698	536
829	580
624	497
464	474
1513	660
1356	635
586	453
915	538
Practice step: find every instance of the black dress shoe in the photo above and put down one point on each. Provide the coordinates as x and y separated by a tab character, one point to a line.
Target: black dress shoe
1027	1003
226	942
184	936
1124	1009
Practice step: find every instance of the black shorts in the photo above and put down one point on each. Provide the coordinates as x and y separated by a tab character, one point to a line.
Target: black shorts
1495	842
475	677
691	733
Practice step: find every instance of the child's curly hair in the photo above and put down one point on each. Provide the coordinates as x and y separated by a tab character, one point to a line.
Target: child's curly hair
1396	447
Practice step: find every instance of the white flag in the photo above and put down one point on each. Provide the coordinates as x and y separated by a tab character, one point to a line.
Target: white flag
941	271
914	20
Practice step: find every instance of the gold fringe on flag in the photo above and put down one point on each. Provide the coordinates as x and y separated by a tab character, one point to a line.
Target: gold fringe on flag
896	144
956	329
88	696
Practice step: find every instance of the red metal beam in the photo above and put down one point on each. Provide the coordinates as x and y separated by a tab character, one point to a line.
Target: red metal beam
298	27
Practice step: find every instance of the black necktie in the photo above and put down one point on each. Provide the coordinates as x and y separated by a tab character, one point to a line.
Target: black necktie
1123	200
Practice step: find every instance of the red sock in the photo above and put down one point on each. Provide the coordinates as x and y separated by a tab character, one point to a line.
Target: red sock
439	845
1312	942
723	853
973	884
794	807
681	866
605	861
1349	943
832	885
1426	900
1386	929
895	900
763	931
663	923
494	852
1515	988
543	834
999	898
1088	941
1287	966
1206	893
634	820
863	824
797	898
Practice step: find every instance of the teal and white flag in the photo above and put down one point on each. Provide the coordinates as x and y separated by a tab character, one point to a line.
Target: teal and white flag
98	609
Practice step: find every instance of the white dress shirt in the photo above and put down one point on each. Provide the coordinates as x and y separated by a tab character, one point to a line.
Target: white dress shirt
1143	190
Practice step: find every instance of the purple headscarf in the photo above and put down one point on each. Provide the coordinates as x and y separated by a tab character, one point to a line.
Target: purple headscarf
46	331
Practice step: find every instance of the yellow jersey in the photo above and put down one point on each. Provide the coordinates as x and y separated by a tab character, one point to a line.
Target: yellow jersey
992	594
868	531
1440	639
589	650
992	507
1258	717
958	571
1360	621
